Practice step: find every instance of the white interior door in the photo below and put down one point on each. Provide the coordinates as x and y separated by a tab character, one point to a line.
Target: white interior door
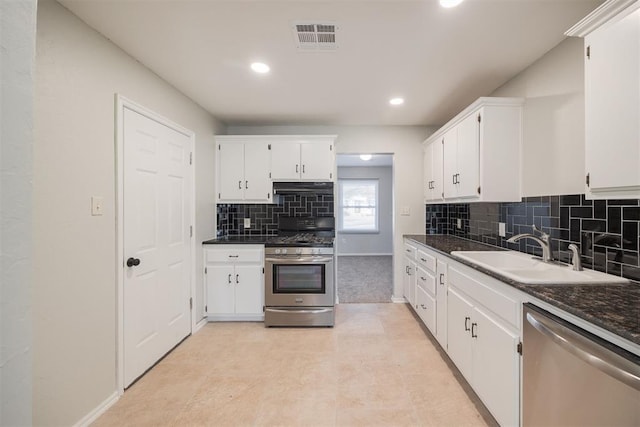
157	258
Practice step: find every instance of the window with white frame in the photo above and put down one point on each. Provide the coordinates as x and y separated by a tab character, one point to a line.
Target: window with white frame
358	205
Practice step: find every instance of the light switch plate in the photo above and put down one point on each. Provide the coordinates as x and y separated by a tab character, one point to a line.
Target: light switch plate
97	205
502	229
247	223
405	211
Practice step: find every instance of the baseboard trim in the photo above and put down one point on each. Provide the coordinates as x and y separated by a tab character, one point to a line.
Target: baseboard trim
235	318
99	410
199	325
364	255
398	300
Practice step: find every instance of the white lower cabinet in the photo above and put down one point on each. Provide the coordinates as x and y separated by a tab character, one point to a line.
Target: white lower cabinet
409	276
483	345
441	301
234	281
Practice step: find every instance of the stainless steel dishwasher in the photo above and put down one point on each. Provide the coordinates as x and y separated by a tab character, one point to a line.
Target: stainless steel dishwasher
573	378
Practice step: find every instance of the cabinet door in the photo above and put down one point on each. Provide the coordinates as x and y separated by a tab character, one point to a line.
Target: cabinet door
496	368
231	170
441	302
317	161
426	309
459	332
285	161
409	283
256	171
220	289
450	167
428	171
436	170
468	157
613	105
249	289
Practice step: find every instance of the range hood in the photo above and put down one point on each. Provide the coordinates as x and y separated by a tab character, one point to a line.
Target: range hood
302	187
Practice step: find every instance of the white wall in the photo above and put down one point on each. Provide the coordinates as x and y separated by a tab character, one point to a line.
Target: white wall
78	73
17	50
370	243
553	138
404	142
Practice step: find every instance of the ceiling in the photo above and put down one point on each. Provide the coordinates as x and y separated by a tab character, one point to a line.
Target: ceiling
440	60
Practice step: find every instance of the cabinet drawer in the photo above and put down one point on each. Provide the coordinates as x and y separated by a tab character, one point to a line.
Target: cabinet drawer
235	253
498	303
426	260
409	251
426	280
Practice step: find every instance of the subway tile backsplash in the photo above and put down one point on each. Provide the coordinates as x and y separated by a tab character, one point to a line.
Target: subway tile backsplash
264	217
607	231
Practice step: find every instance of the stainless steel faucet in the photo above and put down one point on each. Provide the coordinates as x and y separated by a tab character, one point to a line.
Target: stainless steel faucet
544	240
576	262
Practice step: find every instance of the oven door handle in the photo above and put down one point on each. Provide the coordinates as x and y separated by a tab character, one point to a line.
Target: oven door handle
312	311
299	260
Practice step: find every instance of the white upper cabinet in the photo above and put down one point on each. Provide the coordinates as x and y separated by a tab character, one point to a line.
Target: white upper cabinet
243	170
612	99
306	158
480	153
433	191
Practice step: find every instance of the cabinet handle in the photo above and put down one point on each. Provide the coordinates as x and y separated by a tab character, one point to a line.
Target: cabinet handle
473	329
297	169
441	277
408	250
229	278
423	306
303	169
466	323
424	279
246	185
234	256
237	276
454	178
239	185
423	260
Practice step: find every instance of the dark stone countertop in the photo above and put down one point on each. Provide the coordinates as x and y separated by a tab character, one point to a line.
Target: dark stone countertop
613	307
259	239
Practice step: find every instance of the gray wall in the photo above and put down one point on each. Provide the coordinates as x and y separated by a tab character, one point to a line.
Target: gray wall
17	51
380	243
553	126
78	73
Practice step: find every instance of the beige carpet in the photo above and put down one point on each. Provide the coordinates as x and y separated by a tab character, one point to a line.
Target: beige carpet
365	279
376	367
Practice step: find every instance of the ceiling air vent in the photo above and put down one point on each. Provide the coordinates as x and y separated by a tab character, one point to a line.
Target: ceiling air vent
311	36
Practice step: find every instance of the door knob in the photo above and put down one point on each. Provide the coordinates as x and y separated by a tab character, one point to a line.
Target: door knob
132	262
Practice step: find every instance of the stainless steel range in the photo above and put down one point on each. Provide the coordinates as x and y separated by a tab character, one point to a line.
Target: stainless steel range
299	273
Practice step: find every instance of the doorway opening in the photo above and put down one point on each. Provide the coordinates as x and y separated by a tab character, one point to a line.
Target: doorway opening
364	228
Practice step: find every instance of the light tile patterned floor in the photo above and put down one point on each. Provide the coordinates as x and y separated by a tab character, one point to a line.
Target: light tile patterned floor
376	367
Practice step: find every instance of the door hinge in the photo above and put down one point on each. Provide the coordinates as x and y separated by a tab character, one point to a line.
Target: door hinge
588	179
269	146
479	118
190	303
191	158
478	190
519	348
588	52
191	231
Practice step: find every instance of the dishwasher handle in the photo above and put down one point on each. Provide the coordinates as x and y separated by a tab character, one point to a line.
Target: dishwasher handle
587	350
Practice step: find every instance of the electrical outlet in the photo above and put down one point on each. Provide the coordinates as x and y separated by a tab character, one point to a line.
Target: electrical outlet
502	229
247	223
458	223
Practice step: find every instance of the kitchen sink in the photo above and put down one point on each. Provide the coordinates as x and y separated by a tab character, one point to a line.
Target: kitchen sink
527	269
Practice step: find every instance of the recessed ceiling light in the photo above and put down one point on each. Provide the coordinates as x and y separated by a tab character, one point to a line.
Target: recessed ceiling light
365	157
396	101
450	3
260	67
